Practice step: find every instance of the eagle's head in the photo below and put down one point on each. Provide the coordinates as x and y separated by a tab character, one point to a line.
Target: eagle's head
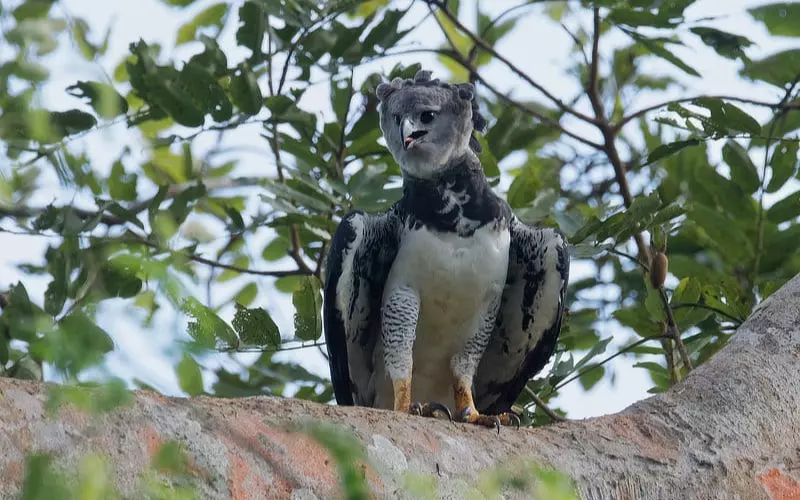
428	125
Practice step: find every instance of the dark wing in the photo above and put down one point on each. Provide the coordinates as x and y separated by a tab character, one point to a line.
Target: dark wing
529	320
362	252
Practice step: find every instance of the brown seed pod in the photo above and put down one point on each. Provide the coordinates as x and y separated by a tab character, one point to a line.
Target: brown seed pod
658	269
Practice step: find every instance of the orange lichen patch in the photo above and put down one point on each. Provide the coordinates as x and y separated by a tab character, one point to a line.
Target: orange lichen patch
780	486
245	485
295	457
152	439
13	473
651	443
305	455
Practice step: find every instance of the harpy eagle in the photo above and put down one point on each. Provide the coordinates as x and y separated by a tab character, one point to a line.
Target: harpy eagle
446	300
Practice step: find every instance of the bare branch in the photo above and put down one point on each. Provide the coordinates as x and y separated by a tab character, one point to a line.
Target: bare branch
488	48
636	114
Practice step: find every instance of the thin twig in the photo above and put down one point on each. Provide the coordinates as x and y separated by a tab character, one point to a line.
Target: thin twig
598	365
504	14
636	114
488	48
271	349
555	417
135	208
673	330
760	214
684	305
629	257
578	44
243	270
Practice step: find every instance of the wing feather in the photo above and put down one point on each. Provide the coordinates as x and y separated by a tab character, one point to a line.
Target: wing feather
361	254
529	320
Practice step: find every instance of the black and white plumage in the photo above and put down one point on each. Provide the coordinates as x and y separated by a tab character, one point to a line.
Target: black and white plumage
446	297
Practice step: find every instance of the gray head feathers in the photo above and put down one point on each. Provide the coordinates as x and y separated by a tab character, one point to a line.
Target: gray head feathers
422	79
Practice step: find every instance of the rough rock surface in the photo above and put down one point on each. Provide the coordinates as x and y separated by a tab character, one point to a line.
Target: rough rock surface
730	430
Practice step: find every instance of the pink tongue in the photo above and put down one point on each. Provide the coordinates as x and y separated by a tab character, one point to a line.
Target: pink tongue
409	140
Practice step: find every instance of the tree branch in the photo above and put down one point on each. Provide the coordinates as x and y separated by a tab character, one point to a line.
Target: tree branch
730	429
488	48
134	208
636	114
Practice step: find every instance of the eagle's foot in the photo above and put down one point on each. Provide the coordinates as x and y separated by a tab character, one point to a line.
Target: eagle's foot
470	415
429	410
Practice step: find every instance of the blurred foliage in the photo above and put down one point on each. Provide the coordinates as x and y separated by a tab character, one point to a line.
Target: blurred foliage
709	181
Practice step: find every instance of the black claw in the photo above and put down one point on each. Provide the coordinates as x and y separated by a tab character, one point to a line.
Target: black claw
442	408
428	409
496	422
514	418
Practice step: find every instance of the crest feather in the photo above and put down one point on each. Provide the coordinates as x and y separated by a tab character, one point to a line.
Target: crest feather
464	91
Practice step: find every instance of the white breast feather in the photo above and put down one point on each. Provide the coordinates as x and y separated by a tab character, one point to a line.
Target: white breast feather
457	279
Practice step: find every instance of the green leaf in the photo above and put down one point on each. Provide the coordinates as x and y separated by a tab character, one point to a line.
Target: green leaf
32	9
671	148
171	457
688	291
207	327
276	249
385	34
179	3
592	376
119	278
201	86
347	452
103	98
282	191
779	18
289	284
121	185
71	122
785	209
725	116
42	479
210	16
743	172
488	160
256	327
55	295
245	92
308	307
657	48
236	218
247	294
784	161
78	344
597	349
252	26
779	69
341	93
639	320
653	301
26	368
726	235
725	44
739	120
634	17
189	375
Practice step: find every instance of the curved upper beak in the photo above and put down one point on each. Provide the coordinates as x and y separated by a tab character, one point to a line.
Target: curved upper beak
406	129
410	132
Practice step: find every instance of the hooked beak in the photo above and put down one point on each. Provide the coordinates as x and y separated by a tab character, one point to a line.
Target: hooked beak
409	133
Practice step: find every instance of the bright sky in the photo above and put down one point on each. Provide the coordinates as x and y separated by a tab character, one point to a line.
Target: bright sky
537	46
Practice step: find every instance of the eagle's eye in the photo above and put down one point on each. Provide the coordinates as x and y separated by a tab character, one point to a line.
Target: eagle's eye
426	117
397	119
